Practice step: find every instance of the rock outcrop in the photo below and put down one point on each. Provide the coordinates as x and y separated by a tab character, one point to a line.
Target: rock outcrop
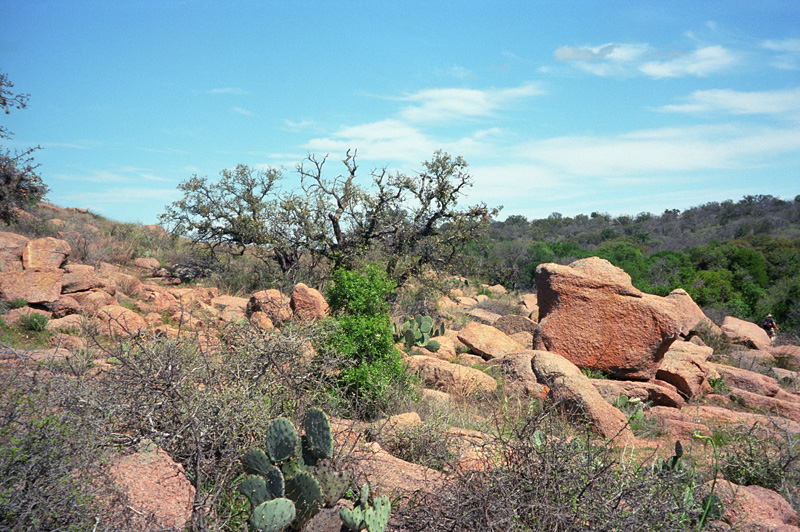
487	341
590	313
578	395
746	333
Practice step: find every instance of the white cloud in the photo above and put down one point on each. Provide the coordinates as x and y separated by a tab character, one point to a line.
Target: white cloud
788	53
662	151
604	60
242	111
297	126
786	45
383	140
701	62
617	59
780	102
439	105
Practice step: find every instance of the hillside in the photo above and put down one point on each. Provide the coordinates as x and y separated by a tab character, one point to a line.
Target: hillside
546	401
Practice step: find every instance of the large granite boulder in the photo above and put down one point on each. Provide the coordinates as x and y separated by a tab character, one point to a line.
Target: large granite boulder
487	341
11	246
272	303
686	367
569	387
308	303
590	313
45	253
34	286
746	333
451	378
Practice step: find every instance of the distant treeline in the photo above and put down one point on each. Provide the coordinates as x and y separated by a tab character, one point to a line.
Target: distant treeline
738	258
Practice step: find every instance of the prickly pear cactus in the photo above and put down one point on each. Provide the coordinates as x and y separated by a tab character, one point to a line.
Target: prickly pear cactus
377	517
255	489
318	433
272	516
374	517
304	490
352	519
334	484
256	462
281	440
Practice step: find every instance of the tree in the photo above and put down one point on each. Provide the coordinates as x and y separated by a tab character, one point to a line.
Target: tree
20	185
406	222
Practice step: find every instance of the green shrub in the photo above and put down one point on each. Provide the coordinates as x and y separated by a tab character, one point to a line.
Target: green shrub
34	322
374	376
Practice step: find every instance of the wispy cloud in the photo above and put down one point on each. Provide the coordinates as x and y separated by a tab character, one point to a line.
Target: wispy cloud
389	139
787	53
700	62
440	105
662	151
242	111
616	59
298	126
780	102
604	60
229	90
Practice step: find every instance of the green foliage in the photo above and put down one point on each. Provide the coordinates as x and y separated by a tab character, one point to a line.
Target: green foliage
34	322
361	292
374	370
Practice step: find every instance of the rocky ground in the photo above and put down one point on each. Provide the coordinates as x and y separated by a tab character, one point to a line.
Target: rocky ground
586	339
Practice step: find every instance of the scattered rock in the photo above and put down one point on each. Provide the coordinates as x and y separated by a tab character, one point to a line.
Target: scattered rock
147	263
746	333
487	341
45	254
308	303
156	487
569	386
685	366
11	246
655	392
73	322
747	380
753	508
275	305
511	324
484	316
115	320
80	278
34	286
518	376
452	378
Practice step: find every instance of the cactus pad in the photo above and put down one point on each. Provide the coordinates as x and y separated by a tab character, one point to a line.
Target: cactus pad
318	432
334	484
377	517
255	489
304	490
272	516
281	440
352	519
256	462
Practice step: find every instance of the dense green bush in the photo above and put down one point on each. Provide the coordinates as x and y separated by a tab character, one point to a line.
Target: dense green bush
374	377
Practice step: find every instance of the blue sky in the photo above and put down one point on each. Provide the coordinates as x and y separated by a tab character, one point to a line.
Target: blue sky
558	106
